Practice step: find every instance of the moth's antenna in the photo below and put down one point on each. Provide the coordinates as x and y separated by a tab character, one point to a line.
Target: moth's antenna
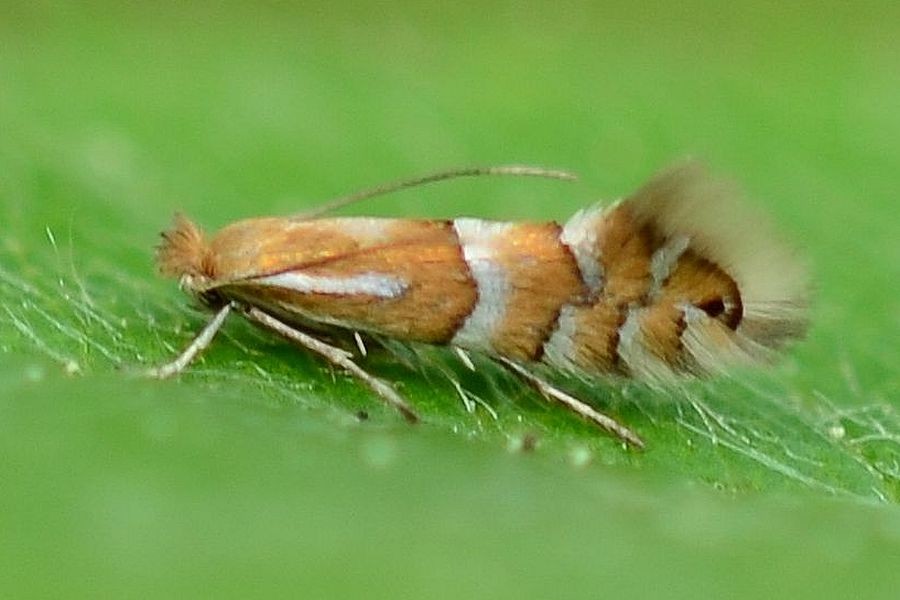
387	188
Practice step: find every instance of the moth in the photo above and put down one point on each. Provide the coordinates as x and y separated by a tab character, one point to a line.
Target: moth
678	279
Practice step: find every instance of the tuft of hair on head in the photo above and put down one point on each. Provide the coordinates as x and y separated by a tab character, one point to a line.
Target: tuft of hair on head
685	200
183	251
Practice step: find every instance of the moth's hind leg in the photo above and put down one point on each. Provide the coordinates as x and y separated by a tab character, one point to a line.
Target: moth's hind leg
335	356
198	345
554	394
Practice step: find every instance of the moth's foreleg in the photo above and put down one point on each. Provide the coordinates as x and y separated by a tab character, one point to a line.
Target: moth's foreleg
554	394
198	345
335	356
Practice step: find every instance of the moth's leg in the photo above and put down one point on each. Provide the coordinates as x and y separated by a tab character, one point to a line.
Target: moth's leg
360	344
336	356
553	393
198	345
464	358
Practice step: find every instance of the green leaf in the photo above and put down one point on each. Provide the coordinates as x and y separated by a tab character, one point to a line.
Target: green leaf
254	472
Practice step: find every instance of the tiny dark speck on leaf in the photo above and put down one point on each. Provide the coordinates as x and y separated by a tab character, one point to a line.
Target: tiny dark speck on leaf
525	443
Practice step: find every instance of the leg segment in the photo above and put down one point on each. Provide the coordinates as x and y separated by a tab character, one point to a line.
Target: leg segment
554	394
335	356
200	343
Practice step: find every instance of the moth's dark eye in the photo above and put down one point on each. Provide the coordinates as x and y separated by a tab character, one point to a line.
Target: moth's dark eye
713	308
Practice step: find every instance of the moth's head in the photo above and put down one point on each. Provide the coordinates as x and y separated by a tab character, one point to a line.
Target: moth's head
184	254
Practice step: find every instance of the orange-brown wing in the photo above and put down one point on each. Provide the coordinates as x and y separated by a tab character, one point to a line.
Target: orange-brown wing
402	278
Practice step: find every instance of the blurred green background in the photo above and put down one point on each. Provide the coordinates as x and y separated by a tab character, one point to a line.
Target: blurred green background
251	475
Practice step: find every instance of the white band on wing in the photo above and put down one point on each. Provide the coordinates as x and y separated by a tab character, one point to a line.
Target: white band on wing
364	284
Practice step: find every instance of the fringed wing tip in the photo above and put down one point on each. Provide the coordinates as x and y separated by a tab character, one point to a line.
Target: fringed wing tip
685	199
773	279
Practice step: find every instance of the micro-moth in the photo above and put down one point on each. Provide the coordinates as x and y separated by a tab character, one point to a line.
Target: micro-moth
676	279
